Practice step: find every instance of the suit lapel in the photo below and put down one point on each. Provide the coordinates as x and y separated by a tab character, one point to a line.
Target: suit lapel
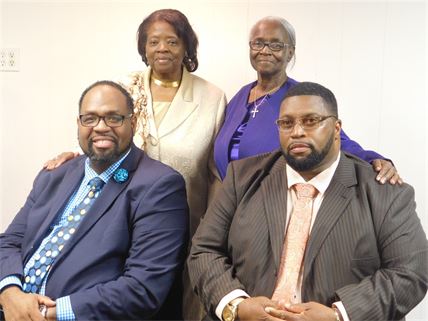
274	189
181	107
108	195
337	197
68	185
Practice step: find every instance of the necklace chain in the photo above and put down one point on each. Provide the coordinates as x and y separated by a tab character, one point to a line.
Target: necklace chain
255	109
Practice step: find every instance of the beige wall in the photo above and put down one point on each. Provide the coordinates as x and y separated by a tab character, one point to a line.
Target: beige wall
371	54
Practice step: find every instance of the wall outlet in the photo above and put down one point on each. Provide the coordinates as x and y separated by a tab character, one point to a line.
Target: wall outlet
9	59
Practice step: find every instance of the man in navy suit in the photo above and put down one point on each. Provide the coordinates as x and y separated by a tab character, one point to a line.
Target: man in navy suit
116	256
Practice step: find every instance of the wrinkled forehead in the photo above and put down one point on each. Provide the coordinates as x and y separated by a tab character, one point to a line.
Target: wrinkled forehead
301	106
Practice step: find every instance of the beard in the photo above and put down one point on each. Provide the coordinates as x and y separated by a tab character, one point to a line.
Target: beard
312	160
108	157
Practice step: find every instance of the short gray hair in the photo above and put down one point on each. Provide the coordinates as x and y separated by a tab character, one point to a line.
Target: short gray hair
289	29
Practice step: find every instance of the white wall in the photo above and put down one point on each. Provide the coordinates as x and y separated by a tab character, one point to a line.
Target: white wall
371	54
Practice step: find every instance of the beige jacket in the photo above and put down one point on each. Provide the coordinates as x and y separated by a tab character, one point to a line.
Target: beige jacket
185	137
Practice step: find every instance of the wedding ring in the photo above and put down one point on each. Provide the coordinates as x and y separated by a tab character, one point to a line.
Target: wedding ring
43	310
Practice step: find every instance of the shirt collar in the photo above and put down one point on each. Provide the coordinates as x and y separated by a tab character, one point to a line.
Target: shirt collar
90	173
320	182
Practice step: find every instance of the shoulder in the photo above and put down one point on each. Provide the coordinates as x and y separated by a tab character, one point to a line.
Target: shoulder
205	87
256	167
151	171
365	180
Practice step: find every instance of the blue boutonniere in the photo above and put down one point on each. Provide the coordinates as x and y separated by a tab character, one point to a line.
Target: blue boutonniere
120	175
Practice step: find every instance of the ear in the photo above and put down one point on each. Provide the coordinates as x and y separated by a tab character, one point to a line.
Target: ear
290	53
338	128
134	124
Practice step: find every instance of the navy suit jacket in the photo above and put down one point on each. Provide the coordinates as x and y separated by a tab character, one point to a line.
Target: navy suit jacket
123	258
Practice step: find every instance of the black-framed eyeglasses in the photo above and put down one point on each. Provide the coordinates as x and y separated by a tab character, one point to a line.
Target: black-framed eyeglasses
274	45
114	120
307	123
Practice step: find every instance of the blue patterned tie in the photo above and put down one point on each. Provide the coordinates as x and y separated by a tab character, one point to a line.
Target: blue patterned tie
44	259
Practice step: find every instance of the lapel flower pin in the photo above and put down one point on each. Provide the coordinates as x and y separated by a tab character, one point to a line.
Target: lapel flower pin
121	175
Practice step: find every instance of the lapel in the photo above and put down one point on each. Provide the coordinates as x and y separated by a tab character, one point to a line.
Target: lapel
182	106
274	190
337	197
68	185
108	195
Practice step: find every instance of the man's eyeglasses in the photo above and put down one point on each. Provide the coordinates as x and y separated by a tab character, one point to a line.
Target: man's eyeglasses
274	46
91	120
307	123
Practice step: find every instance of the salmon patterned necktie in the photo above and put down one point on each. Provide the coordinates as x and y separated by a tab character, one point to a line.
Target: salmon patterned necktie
295	244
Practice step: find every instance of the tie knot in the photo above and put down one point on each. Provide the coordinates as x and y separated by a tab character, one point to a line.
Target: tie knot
96	183
305	190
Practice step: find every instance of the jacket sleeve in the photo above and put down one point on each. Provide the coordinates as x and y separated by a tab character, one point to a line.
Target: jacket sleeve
11	241
401	281
210	267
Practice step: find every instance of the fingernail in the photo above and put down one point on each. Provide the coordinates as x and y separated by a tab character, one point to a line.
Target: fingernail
268	309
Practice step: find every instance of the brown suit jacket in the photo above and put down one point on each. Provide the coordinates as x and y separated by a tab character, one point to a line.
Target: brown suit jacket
367	247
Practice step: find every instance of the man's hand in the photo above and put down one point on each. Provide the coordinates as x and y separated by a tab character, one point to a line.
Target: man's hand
20	306
254	309
311	311
51	315
387	172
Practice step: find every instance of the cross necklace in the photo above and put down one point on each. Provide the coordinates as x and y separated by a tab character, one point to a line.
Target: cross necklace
255	109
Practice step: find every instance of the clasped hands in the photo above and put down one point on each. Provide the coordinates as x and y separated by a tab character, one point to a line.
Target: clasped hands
18	305
263	308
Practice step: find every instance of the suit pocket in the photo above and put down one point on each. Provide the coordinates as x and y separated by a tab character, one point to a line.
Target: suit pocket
363	267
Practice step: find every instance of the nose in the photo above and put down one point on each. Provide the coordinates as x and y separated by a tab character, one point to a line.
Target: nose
266	50
162	46
102	126
297	130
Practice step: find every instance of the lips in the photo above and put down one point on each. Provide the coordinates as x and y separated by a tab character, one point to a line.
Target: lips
299	148
163	59
103	142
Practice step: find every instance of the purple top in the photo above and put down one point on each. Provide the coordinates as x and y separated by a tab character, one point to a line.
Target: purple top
243	135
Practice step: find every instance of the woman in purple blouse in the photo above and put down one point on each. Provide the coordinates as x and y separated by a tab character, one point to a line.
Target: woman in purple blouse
249	126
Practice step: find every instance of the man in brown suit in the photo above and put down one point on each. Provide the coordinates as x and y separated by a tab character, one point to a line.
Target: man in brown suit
367	254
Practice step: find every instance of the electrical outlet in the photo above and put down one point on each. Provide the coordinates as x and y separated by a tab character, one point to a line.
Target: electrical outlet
9	59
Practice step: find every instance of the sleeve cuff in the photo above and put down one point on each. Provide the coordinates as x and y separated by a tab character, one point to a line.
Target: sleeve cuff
64	310
226	299
10	280
339	305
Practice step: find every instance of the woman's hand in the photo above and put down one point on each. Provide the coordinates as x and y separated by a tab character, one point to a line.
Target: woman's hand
59	160
387	172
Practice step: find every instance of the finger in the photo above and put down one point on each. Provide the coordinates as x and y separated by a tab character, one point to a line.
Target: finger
385	174
44	300
296	308
377	165
278	314
390	175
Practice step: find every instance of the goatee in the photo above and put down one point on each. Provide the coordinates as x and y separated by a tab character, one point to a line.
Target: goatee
311	161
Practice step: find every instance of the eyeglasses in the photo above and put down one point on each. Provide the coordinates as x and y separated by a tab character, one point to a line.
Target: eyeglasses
274	46
307	123
91	120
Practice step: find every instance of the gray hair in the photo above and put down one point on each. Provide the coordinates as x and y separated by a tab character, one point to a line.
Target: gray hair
289	29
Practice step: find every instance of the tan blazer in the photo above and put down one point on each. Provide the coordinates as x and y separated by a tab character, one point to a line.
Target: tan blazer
367	247
185	137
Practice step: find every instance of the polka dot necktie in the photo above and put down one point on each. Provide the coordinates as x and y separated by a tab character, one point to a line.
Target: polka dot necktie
294	245
44	259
